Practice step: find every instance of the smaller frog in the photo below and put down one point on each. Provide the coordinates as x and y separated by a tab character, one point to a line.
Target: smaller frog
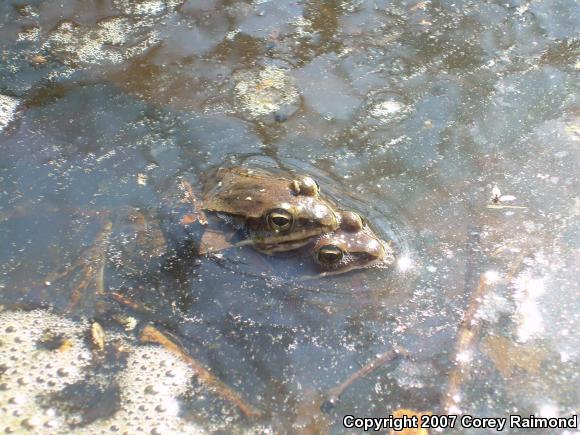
353	245
280	213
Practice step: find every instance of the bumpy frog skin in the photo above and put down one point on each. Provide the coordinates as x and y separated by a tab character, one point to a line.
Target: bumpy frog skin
280	213
352	246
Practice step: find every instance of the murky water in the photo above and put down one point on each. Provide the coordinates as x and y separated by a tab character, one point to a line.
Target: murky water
414	113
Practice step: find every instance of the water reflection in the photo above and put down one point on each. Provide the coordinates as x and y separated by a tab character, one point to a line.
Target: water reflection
410	112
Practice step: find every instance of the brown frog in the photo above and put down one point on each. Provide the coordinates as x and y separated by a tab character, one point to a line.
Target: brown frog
353	245
280	213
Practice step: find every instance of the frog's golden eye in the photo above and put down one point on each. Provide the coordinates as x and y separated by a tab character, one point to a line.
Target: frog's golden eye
330	254
280	220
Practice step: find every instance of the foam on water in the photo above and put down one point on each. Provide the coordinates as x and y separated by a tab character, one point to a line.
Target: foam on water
42	353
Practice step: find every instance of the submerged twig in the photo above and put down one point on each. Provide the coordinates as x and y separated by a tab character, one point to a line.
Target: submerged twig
515	267
26	208
333	395
150	334
468	331
91	262
129	303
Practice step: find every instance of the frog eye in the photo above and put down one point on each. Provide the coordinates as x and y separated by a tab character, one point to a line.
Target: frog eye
280	220
330	254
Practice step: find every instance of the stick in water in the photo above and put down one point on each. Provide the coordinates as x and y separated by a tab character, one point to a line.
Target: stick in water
333	395
150	334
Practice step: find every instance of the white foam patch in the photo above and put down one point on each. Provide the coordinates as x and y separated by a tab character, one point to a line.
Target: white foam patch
32	371
29	34
109	41
148	7
8	106
150	384
263	92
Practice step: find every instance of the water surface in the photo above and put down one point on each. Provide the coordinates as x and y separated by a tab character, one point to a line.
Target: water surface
415	113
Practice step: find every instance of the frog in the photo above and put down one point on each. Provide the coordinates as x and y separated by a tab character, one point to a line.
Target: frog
354	245
279	212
